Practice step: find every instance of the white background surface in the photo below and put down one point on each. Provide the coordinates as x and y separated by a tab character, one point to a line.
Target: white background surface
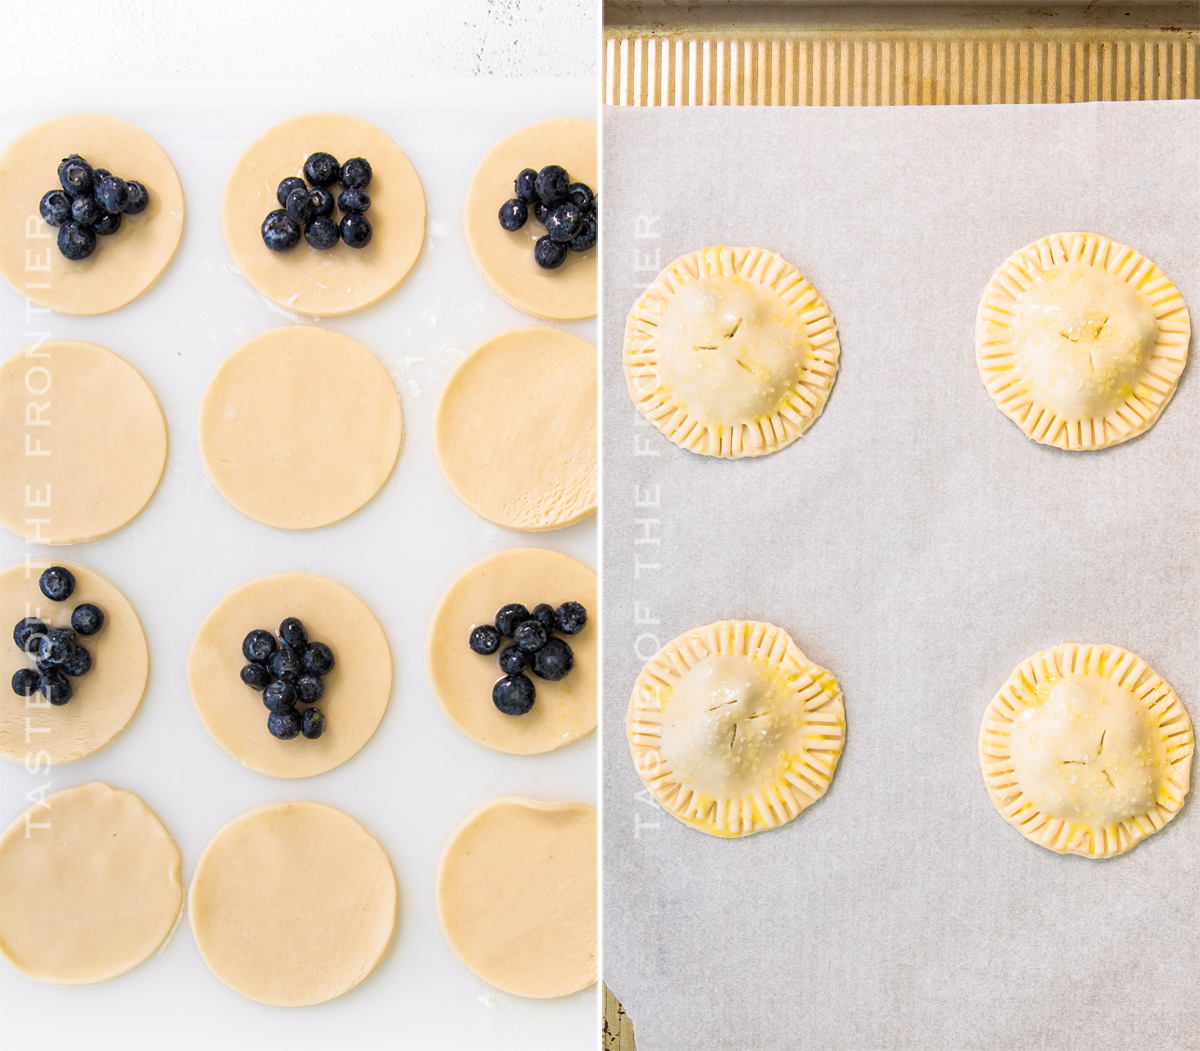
419	776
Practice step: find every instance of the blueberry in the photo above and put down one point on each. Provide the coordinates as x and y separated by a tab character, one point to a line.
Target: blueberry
571	617
79	664
524	186
139	197
112	194
100	173
285	724
292	633
354	199
57	646
541	212
55	686
551	184
508	617
586	238
106	224
356	174
318	659
256	677
581	195
312	723
309	689
55	207
484	639
530	636
513	695
27	630
87	618
279	233
279	695
76	242
321	169
322	201
76	176
287	187
553	660
285	664
512	660
549	254
258	646
85	211
322	233
356	230
562	224
24	682
513	215
299	206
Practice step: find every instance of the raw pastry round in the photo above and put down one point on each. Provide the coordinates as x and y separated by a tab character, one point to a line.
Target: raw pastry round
517	895
462	680
94	894
505	259
516	429
248	913
1080	341
340	280
1085	750
300	427
104	699
124	264
356	690
733	729
105	432
731	352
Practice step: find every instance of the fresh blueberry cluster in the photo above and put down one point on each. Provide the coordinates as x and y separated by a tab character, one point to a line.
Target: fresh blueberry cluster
308	207
91	202
534	646
288	671
567	210
57	652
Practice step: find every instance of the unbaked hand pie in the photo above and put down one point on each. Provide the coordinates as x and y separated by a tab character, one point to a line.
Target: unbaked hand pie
733	729
1081	341
1085	750
731	352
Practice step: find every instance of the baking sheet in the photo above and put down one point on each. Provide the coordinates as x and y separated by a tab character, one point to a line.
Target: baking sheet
918	545
419	776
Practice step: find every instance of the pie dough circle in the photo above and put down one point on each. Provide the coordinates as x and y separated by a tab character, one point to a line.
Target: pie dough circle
733	729
104	700
1080	341
1085	750
124	264
300	427
462	680
516	429
93	895
340	280
246	904
516	895
504	258
731	352
356	690
106	434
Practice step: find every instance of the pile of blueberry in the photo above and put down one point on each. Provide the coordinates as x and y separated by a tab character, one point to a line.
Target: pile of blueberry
91	202
308	207
534	647
566	209
288	672
56	651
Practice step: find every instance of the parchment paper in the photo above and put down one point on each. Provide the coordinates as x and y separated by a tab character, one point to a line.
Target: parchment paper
917	544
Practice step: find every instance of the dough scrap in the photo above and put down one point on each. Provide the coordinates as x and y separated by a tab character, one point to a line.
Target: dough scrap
517	896
1085	750
462	680
731	352
104	700
340	280
505	259
125	264
733	729
356	690
1081	341
516	429
93	895
300	427
105	432
248	912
